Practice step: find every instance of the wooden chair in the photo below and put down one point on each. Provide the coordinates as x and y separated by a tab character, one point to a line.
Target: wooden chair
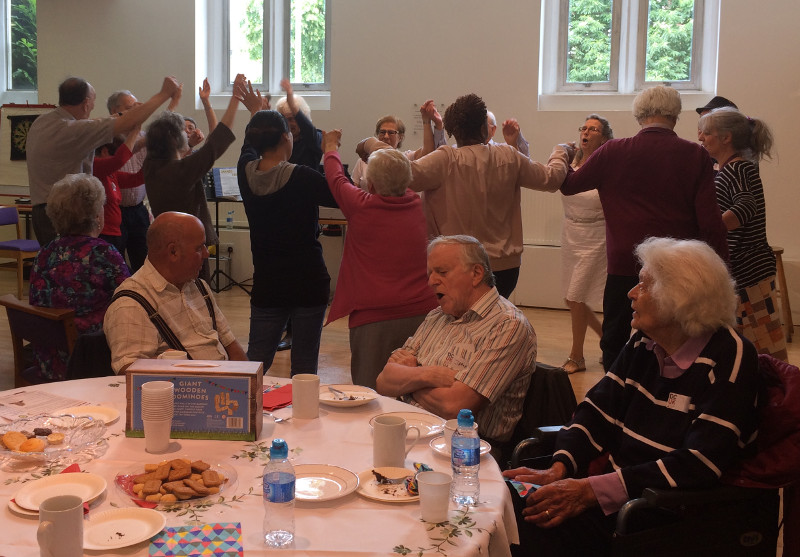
19	250
37	325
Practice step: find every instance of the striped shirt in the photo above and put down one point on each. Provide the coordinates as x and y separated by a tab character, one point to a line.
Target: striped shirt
667	432
492	348
739	190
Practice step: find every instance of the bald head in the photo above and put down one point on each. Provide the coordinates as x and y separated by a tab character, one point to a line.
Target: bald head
176	246
491	124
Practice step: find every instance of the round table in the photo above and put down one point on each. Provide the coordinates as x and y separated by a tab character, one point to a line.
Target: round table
350	525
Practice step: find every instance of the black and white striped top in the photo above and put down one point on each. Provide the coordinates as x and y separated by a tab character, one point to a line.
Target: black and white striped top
739	189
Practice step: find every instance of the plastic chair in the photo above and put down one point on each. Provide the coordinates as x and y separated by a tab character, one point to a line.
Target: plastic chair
19	250
37	325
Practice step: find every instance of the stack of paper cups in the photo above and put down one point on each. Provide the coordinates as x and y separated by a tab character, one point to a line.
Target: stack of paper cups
158	400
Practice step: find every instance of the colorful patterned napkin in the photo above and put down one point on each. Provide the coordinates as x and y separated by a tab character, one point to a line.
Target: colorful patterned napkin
278	398
220	539
524	488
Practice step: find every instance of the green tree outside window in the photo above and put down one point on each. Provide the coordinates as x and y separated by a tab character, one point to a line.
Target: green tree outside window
23	44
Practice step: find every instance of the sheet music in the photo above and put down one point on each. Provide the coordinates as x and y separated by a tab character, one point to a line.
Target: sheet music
226	184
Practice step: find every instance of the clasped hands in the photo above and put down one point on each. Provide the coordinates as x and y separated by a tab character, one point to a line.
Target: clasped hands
558	499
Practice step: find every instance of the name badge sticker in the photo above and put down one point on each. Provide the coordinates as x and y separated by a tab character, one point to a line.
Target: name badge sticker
678	402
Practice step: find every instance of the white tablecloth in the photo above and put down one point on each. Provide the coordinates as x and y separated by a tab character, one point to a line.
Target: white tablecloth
351	525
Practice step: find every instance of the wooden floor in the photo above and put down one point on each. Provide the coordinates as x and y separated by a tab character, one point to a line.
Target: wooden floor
552	330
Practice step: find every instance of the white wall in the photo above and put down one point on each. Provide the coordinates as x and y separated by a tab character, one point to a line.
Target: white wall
389	55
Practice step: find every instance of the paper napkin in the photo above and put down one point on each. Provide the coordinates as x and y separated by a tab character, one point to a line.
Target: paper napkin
278	398
223	539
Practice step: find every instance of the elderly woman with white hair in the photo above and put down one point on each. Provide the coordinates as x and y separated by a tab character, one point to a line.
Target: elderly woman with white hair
77	270
676	409
383	283
651	184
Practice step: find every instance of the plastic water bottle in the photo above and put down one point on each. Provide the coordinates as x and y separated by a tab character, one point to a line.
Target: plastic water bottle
278	496
466	455
229	220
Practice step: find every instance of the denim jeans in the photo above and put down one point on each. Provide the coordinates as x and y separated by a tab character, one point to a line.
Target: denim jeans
266	329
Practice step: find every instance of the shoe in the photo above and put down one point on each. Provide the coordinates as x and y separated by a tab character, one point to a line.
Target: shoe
572	366
285	343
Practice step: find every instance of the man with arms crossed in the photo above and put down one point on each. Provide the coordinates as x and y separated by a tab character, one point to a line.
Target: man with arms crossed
476	350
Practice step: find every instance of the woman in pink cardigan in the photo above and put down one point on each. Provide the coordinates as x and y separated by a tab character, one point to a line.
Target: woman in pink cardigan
383	282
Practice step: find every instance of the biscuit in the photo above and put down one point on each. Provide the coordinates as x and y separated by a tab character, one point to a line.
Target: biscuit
211	478
33	445
179	473
55	438
198	466
198	487
13	439
151	487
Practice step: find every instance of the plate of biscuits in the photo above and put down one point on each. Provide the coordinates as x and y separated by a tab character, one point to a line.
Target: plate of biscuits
177	480
45	438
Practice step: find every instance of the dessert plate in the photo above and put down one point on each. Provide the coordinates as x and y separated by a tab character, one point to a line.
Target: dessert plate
356	398
122	527
439	446
323	482
388	493
86	486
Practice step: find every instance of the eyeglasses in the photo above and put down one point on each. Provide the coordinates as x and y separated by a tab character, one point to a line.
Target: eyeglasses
388	132
590	129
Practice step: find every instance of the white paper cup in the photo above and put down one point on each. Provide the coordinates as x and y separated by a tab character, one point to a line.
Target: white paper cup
305	396
449	427
172	355
60	532
156	435
389	435
434	495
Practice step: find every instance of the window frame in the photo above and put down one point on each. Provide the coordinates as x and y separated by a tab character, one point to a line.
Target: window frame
276	23
7	94
552	60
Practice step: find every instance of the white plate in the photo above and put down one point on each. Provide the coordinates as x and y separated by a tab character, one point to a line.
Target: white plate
428	424
79	433
122	527
106	414
347	387
358	398
323	482
124	479
392	493
439	445
16	509
85	486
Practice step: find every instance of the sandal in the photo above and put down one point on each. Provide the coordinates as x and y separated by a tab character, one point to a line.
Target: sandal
572	366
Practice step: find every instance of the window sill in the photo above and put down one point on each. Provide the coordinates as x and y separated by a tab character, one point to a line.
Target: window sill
19	97
317	100
606	101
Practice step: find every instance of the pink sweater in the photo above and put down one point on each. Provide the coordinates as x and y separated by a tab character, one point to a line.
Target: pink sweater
383	274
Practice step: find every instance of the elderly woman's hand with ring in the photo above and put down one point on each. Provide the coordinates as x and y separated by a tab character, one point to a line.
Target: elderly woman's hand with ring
552	504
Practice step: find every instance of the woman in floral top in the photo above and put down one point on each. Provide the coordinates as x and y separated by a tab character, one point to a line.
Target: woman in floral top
77	270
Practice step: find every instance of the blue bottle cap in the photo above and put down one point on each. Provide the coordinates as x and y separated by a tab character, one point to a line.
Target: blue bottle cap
465	418
279	449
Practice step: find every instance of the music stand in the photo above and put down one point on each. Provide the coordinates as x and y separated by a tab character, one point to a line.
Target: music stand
222	187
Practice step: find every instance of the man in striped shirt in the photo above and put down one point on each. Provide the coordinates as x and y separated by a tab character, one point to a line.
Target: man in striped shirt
476	350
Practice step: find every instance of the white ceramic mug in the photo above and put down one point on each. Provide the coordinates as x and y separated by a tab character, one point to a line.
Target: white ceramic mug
389	441
305	396
434	495
60	532
449	428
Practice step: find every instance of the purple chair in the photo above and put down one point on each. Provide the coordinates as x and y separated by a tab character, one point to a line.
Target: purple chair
19	250
39	326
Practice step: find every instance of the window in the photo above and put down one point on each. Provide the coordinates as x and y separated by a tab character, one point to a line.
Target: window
624	46
19	34
268	40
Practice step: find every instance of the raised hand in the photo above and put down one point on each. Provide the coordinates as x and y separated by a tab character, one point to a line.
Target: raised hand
332	140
